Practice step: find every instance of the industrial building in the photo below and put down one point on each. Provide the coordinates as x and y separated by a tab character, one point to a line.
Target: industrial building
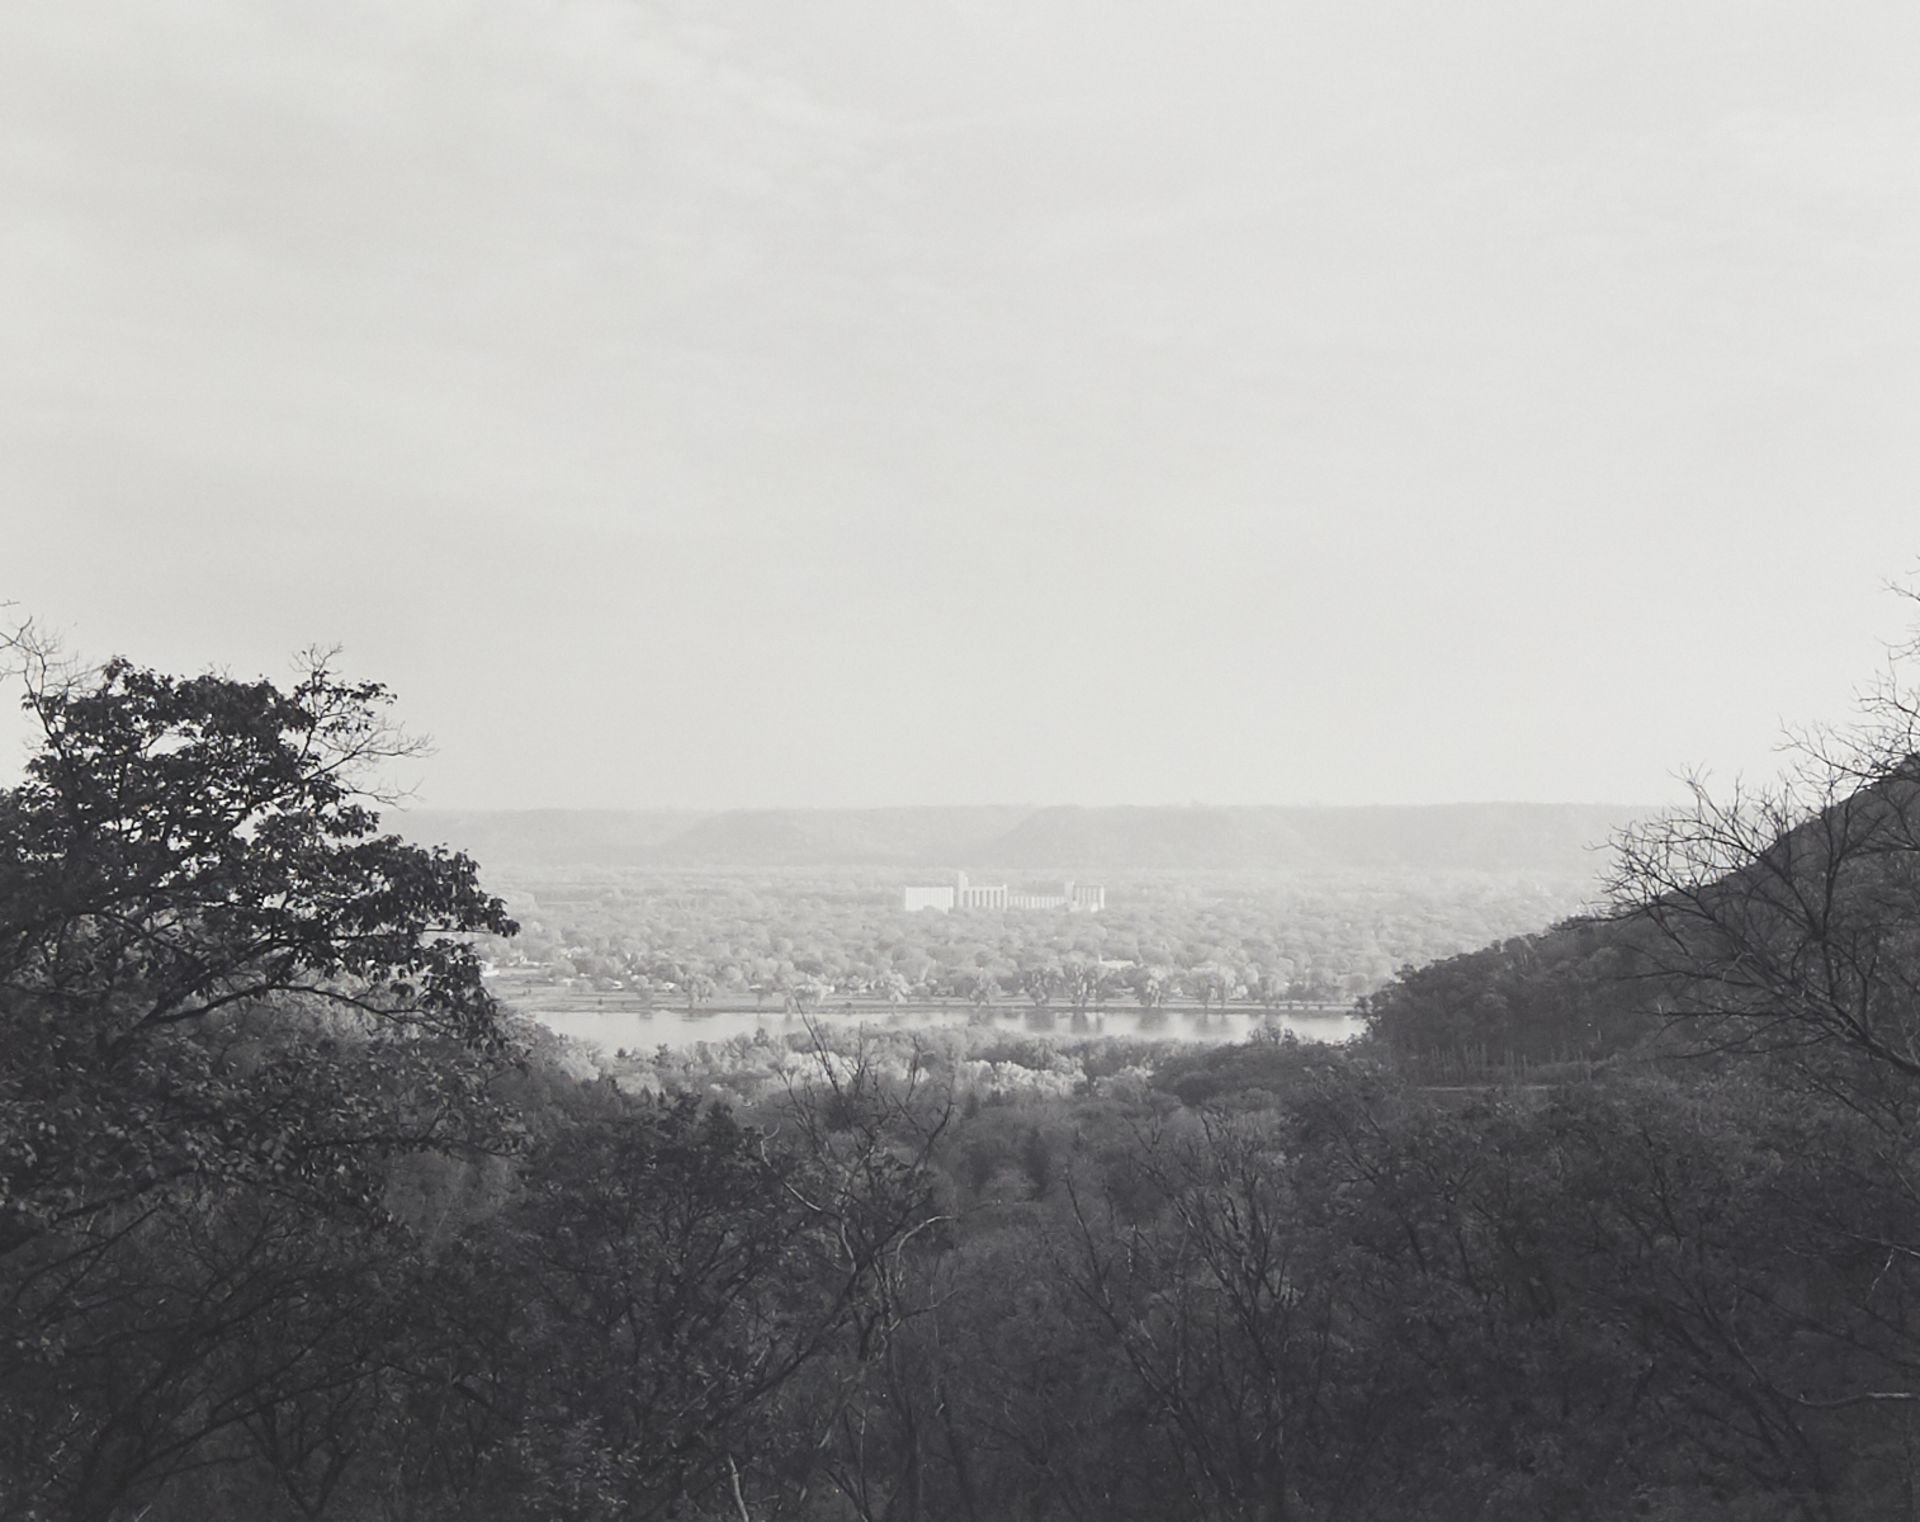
1076	898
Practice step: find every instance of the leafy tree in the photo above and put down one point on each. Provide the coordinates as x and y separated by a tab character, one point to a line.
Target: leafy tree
225	1000
663	1275
179	846
1153	986
1087	980
1214	983
1040	982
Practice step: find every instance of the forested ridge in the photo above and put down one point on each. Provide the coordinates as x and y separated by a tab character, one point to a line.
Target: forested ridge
1548	838
1617	1220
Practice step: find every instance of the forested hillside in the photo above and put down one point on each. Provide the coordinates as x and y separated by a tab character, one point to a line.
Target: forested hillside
1778	923
299	1222
1567	994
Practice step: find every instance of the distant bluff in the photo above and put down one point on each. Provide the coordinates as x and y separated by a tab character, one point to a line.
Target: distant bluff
1550	838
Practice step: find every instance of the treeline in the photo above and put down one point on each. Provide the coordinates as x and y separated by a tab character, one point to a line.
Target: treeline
1269	1282
805	939
297	1223
1578	992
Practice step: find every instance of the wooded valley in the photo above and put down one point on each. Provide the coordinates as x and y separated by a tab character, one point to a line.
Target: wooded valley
1615	1219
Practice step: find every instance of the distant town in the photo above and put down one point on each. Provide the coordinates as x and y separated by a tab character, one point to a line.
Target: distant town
1076	898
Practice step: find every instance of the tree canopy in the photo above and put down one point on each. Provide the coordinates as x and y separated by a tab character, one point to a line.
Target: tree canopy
295	1223
182	845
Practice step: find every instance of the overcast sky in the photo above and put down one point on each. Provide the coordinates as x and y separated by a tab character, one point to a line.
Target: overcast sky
889	402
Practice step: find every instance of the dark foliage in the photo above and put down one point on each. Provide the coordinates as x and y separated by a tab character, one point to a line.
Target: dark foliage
298	1225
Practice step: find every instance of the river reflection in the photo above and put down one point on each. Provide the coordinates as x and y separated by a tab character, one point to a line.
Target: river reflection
643	1031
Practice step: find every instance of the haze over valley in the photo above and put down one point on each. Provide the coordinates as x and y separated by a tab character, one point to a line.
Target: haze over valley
1557	840
959	761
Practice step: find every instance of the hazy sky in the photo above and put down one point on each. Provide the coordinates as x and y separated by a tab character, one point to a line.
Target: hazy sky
894	402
